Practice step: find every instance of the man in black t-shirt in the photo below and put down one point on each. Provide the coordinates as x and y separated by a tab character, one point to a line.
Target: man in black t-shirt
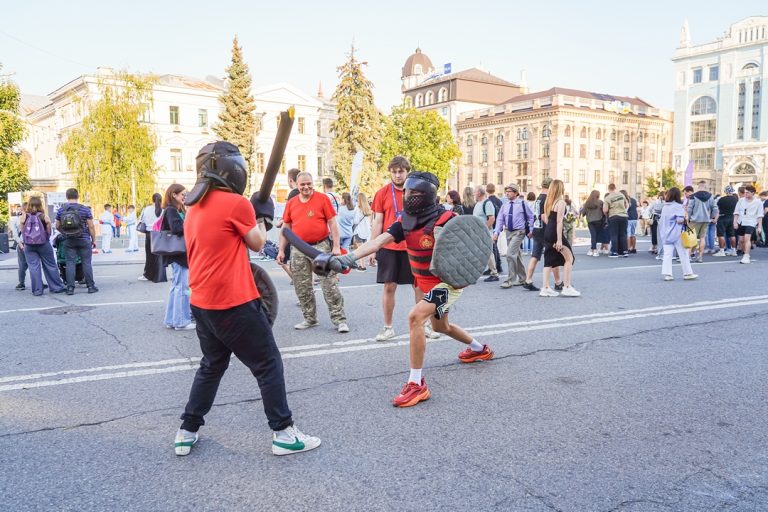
726	206
537	233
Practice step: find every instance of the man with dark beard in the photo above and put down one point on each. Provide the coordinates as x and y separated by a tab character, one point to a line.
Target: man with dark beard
421	217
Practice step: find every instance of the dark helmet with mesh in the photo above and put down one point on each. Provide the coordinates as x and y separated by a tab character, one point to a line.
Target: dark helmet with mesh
220	164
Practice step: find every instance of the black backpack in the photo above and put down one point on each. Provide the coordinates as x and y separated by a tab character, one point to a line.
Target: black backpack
71	221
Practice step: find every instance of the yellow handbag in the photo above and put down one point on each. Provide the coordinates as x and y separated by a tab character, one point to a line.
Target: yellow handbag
688	237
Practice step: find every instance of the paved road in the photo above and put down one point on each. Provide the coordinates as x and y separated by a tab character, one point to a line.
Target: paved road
639	396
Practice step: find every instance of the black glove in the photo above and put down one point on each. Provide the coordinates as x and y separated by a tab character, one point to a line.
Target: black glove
264	210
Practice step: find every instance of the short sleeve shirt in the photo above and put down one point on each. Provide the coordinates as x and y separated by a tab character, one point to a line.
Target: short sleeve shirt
309	221
382	205
617	205
219	271
632	210
85	214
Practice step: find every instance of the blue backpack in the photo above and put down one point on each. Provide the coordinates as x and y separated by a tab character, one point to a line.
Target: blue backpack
34	231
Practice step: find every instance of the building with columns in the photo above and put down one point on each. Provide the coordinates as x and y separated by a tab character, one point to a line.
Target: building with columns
586	139
720	100
182	114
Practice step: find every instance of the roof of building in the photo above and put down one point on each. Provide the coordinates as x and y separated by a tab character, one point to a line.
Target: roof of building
186	81
417	58
554	91
32	103
472	75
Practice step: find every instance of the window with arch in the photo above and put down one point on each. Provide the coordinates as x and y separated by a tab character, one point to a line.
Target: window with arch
546	132
583	133
442	94
500	139
599	134
750	65
484	140
567	131
469	141
524	133
626	136
419	100
613	134
429	98
703	105
640	137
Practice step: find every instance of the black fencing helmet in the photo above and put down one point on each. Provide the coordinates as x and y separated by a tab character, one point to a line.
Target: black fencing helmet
423	182
219	163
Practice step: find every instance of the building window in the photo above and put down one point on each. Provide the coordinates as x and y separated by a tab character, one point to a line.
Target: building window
429	98
703	158
583	133
202	118
598	154
582	151
714	73
302	163
626	136
525	150
260	162
145	114
697	76
469	158
524	133
522	169
703	131
566	175
599	134
545	150
174	115
546	132
500	178
613	134
625	178
499	139
567	131
639	137
419	100
444	110
499	154
300	124
319	128
704	105
598	178
613	153
484	178
320	167
740	111
442	94
582	177
469	141
612	177
566	150
653	138
176	160
484	140
639	155
638	178
756	109
545	173
484	156
653	156
626	154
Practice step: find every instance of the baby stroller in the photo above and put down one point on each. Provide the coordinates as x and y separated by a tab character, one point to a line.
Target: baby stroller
61	261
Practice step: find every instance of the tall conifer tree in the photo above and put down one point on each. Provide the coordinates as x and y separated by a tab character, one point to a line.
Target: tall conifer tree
357	127
237	119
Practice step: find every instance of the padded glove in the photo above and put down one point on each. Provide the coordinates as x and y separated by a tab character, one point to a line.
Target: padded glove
264	210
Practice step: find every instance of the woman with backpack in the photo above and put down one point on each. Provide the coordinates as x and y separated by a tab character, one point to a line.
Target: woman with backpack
153	264
178	312
35	233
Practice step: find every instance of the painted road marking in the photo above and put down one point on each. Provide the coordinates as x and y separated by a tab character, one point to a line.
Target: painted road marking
184	364
65	304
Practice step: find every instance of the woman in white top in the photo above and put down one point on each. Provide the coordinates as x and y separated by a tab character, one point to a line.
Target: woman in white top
362	224
154	270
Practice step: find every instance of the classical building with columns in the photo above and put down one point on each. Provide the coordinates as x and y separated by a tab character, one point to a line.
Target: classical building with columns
586	139
720	100
181	115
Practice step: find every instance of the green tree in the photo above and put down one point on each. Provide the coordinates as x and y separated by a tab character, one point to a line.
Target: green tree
112	153
358	126
237	119
423	137
14	175
668	180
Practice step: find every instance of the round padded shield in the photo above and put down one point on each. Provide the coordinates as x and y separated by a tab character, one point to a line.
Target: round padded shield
462	249
267	290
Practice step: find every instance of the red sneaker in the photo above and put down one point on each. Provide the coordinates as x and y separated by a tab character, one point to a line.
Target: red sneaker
412	394
470	356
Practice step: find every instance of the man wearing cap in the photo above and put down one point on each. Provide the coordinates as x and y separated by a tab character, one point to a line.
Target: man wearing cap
219	225
515	218
726	205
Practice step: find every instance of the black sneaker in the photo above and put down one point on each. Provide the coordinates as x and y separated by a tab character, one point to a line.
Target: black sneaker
625	255
490	279
633	251
558	287
92	289
530	287
70	291
487	272
613	255
21	287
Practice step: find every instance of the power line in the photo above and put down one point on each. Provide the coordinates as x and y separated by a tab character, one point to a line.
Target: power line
44	50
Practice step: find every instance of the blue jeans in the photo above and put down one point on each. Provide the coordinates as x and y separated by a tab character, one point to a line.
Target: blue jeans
22	260
527	244
345	242
41	261
74	247
711	236
178	312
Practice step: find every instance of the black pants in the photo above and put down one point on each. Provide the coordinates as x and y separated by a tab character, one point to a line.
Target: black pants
245	331
595	227
618	227
154	270
497	257
655	231
74	247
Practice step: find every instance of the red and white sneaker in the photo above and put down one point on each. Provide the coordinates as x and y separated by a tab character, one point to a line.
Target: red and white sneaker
412	394
470	356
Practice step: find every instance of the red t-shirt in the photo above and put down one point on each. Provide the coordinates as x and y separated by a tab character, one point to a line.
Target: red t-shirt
219	271
310	220
382	205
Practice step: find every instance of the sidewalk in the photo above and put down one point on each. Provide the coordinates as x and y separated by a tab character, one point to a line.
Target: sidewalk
118	256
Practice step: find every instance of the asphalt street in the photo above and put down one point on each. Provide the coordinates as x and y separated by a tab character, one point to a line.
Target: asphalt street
641	395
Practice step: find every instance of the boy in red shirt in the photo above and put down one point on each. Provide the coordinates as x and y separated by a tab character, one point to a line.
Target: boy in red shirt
220	224
422	216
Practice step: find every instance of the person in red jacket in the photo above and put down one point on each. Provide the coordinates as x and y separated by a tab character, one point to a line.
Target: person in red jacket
422	216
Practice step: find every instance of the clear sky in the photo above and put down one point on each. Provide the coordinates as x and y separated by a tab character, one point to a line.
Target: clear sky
620	48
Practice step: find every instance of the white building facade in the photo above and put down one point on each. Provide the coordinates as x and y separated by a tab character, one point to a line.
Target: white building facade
720	100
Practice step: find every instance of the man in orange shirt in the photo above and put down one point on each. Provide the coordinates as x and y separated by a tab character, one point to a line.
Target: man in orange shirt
219	225
393	267
312	218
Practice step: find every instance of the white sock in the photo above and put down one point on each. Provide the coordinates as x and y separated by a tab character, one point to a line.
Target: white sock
476	346
415	376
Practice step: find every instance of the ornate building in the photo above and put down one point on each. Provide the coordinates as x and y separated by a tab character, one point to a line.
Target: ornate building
720	101
586	139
